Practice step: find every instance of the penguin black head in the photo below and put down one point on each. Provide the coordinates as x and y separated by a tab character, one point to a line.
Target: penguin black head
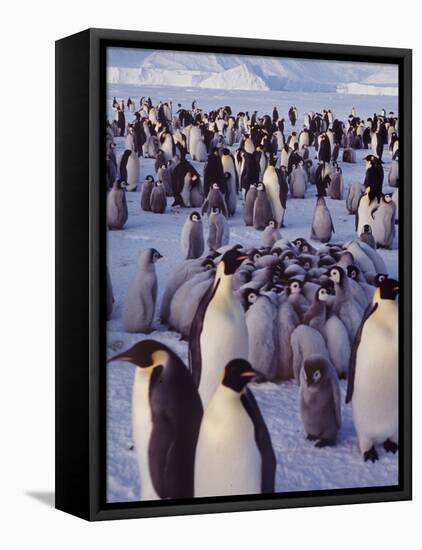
254	254
315	368
379	277
353	272
237	374
388	288
295	286
145	354
328	285
276	251
232	259
149	178
195	216
336	274
321	294
250	296
388	197
154	255
271	222
367	229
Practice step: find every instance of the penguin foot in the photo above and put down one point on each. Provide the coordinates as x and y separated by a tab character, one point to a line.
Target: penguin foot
321	443
390	446
371	455
310	437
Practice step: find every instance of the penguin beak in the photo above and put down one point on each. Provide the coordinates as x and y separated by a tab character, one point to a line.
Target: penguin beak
121	357
248	374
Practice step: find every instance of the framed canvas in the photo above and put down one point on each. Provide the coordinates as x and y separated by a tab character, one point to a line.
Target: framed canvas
233	274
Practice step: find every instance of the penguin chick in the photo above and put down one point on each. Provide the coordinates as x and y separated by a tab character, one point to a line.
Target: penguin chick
319	398
218	229
145	197
117	213
271	234
158	200
367	237
139	308
192	237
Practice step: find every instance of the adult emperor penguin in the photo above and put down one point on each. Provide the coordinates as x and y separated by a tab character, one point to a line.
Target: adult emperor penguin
219	332
129	170
117	213
366	208
374	374
192	237
139	308
166	417
322	224
319	398
272	187
234	454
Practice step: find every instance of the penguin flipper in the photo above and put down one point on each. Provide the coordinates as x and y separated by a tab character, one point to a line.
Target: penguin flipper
352	365
263	441
336	396
204	207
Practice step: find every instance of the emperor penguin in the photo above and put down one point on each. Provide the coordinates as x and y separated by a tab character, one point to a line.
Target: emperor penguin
384	228
287	322
272	187
305	341
353	197
117	213
322	223
234	454
336	184
248	209
271	233
261	320
145	196
262	211
158	198
231	193
129	170
195	137
192	237
218	229
393	174
366	208
373	385
366	236
166	417
215	199
139	308
345	306
219	332
196	196
319	398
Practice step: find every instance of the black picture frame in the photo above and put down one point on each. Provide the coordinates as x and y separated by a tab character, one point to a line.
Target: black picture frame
80	273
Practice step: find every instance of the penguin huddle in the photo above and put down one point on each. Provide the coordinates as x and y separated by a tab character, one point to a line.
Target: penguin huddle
282	311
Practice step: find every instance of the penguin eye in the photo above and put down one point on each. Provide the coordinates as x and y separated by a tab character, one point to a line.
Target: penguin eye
295	285
256	257
381	278
252	298
316	376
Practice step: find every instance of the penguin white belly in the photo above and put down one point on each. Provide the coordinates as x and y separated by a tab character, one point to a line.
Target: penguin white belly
224	337
273	193
227	460
167	147
365	216
375	394
186	193
141	430
132	168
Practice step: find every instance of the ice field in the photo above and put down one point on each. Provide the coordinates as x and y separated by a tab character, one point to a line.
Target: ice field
300	466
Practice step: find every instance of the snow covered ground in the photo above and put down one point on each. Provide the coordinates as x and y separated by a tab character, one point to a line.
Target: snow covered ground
300	465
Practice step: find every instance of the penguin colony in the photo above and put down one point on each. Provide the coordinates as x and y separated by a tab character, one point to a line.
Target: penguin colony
286	310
